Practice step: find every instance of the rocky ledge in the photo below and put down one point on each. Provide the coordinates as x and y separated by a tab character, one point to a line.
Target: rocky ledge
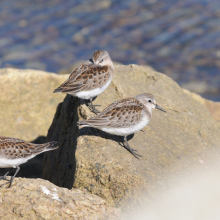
39	199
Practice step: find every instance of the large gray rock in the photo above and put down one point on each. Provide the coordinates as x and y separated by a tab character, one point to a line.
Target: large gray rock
173	141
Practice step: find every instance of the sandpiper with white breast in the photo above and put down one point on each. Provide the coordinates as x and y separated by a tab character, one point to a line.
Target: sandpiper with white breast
124	117
90	78
14	152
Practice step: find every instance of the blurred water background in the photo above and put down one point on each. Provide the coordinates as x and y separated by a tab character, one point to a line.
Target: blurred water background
175	37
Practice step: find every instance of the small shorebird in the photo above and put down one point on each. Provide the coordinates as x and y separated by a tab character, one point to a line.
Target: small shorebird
90	78
14	152
124	117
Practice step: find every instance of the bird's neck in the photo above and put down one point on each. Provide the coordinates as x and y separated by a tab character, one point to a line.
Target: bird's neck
148	110
110	65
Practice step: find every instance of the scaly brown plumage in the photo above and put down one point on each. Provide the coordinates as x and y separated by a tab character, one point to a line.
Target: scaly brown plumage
14	152
124	117
90	78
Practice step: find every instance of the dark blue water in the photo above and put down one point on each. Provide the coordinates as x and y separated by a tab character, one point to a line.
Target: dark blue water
176	37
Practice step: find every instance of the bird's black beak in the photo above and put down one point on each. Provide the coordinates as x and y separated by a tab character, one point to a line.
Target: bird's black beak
158	107
91	60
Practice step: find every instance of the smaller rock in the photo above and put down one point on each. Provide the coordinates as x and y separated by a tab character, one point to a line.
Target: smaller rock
40	199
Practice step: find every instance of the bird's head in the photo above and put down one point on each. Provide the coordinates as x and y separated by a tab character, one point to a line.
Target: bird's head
149	101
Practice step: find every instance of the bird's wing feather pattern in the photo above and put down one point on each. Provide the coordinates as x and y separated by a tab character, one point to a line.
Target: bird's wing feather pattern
85	78
13	148
120	114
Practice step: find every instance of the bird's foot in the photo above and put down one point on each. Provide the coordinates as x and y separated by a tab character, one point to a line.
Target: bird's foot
93	109
8	181
2	178
131	150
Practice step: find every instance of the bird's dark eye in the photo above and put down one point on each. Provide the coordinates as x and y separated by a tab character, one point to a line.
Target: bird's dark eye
102	60
149	100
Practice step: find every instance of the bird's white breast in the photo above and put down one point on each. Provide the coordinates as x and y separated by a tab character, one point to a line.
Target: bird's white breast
6	163
126	131
94	92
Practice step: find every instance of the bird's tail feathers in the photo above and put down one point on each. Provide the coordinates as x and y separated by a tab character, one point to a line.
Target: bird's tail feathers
51	146
58	90
82	124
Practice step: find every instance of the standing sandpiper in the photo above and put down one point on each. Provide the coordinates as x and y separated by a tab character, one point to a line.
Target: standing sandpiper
14	152
124	117
90	78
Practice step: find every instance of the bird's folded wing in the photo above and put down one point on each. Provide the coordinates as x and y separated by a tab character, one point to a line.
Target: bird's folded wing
86	78
14	147
127	101
117	117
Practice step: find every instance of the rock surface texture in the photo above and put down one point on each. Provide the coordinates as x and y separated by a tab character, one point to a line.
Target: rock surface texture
182	138
213	107
39	199
27	102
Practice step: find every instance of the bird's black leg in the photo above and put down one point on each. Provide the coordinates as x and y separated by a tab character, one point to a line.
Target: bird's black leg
122	140
4	177
12	178
127	147
17	170
92	107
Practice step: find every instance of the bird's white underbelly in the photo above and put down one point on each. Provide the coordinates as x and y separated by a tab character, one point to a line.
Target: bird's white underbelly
6	163
129	130
92	93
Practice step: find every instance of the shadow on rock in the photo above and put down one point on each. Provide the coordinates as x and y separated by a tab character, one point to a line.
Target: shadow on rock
98	133
87	131
59	166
